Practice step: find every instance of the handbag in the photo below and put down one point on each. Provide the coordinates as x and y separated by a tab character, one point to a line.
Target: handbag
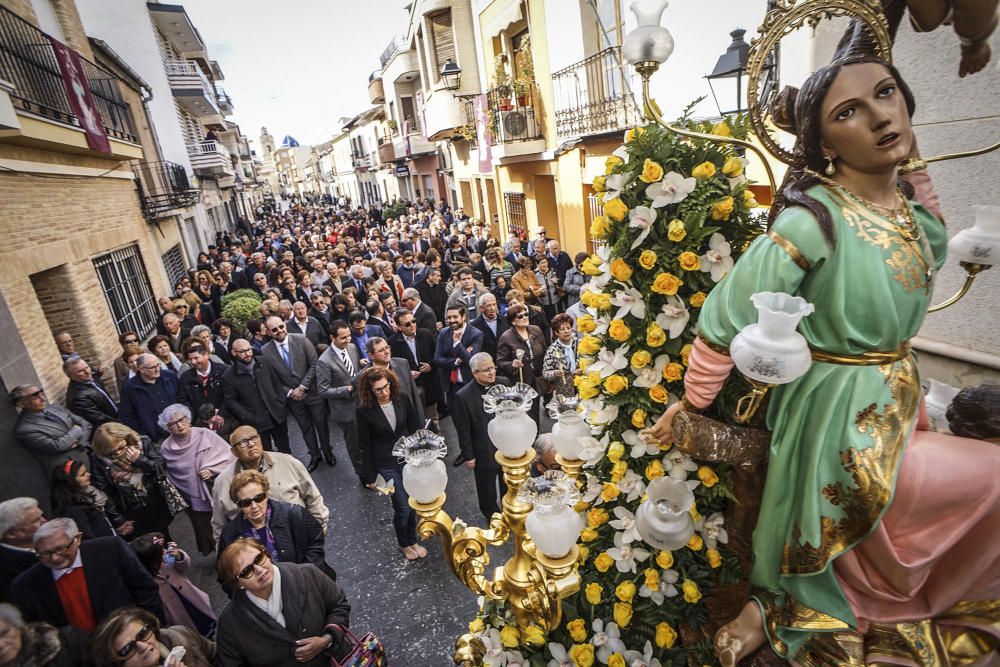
176	503
365	652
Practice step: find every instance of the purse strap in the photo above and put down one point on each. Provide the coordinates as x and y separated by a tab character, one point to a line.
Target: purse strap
345	631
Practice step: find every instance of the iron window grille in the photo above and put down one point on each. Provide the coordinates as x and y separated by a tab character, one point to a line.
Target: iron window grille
125	283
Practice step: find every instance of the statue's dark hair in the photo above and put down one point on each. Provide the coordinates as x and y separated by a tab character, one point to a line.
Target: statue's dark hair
975	412
798	111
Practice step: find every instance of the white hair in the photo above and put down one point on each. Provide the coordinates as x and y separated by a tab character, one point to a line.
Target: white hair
168	413
199	329
53	527
13	511
11	615
479	359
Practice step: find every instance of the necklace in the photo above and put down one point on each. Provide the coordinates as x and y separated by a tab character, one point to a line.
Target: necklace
901	216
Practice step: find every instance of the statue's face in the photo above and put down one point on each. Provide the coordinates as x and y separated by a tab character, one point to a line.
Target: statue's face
864	121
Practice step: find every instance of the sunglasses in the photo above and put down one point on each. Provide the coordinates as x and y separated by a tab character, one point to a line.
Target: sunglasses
144	635
258	561
243	503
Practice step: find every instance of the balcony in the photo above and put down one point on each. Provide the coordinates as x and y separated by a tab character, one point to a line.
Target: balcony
210	158
28	63
515	125
193	91
376	91
591	96
163	187
176	25
443	113
361	162
386	151
225	102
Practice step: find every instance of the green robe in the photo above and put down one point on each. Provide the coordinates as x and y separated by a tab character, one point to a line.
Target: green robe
838	431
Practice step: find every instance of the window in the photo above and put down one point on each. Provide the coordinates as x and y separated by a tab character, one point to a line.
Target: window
126	287
609	19
517	219
443	40
173	262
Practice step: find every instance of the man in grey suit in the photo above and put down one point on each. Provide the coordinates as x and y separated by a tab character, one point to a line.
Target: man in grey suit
335	372
51	433
293	359
381	355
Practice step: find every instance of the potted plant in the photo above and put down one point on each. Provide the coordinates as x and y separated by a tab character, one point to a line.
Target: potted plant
525	67
502	82
392	124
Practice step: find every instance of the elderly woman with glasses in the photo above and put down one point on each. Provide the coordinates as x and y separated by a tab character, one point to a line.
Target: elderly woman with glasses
288	532
37	644
281	613
193	458
132	637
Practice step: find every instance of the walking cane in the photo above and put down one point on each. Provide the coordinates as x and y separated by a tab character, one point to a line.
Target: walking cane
520	356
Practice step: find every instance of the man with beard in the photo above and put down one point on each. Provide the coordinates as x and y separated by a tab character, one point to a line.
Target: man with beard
456	344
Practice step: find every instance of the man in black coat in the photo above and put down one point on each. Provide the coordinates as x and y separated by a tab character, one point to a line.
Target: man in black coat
470	423
202	383
433	293
250	397
103	570
86	395
490	323
425	316
19	519
417	347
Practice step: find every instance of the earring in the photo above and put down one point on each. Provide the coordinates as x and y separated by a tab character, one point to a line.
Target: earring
831	168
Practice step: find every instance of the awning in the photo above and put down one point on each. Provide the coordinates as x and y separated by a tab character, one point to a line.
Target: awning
504	17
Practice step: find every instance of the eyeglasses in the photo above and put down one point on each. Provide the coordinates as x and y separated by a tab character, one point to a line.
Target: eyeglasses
246	443
280	327
383	388
522	315
58	551
177	422
258	561
148	368
34	394
491	369
120	452
242	351
144	635
406	324
131	341
244	503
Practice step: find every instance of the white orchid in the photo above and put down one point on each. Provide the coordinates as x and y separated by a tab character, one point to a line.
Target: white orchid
717	260
639	447
677	464
614	185
560	656
626	555
644	659
494	655
592	451
629	301
597	413
632	485
606	639
712	531
673	317
673	189
642	218
598	282
593	489
666	589
651	375
515	659
609	362
626	524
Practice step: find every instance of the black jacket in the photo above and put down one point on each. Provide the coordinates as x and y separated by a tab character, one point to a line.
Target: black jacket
91	403
425	342
377	439
298	537
251	398
146	506
489	340
470	423
436	297
91	521
115	578
192	393
12	563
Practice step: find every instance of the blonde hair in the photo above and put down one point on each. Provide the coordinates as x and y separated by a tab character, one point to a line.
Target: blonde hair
245	478
108	436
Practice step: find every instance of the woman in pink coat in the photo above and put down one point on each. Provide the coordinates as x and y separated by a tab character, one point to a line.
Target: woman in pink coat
183	602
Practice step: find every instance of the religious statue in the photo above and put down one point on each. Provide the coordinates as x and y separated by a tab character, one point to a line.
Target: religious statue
876	537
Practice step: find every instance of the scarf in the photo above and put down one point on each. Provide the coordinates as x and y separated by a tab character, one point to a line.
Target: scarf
272	605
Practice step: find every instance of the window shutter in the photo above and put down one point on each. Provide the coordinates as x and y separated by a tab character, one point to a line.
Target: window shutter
444	39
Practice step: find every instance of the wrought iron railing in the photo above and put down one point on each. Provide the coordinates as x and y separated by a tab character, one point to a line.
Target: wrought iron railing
468	132
163	186
512	113
592	96
28	62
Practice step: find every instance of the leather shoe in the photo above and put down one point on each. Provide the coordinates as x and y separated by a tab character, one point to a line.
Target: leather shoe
330	458
313	463
459	460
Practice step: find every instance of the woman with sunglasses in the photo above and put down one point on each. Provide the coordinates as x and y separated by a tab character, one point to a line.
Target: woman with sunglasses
521	351
132	637
259	628
288	532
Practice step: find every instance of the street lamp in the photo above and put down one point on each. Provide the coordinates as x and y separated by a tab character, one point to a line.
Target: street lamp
732	64
451	74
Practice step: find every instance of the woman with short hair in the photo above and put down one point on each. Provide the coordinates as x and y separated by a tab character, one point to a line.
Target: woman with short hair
37	644
132	637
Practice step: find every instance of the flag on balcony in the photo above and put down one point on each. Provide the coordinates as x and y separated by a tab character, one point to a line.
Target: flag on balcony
482	115
80	98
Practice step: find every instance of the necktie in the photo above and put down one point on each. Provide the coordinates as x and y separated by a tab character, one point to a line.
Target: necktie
114	408
52	418
284	355
347	363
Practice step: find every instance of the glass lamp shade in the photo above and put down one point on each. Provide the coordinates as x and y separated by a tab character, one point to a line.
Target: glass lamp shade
979	244
512	432
552	524
664	518
650	41
570	426
771	351
425	476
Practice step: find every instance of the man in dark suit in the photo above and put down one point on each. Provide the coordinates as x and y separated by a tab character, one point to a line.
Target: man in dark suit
321	311
145	395
19	519
86	395
81	584
305	324
250	397
471	425
426	319
202	383
416	346
50	433
336	370
456	344
293	359
490	323
559	260
433	293
515	251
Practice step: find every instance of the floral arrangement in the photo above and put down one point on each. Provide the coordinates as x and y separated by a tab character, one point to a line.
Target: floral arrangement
677	214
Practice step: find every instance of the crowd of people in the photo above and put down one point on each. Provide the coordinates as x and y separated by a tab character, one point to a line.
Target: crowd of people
373	323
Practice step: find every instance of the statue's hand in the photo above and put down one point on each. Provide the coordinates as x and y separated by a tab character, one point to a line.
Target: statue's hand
661	431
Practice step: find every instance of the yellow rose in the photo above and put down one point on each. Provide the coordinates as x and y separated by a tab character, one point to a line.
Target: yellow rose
620	270
611	162
616	660
704	170
585	323
665	636
722	209
655	335
714	558
618	471
533	636
597	516
665	559
582	655
691	592
676	231
610	491
707	476
651	172
600	183
593	593
604	562
601	301
733	167
651	578
476	625
695	514
589	345
592	266
722	129
510	636
625	591
659	394
685	353
666	283
600	228
647	259
697	299
634	134
654	470
673	372
615	451
641	358
588	534
619	331
749	200
623	614
584	552
689	261
616	209
588	391
695	543
639	418
577	629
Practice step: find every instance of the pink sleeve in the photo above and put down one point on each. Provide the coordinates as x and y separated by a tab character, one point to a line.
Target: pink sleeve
925	194
707	372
